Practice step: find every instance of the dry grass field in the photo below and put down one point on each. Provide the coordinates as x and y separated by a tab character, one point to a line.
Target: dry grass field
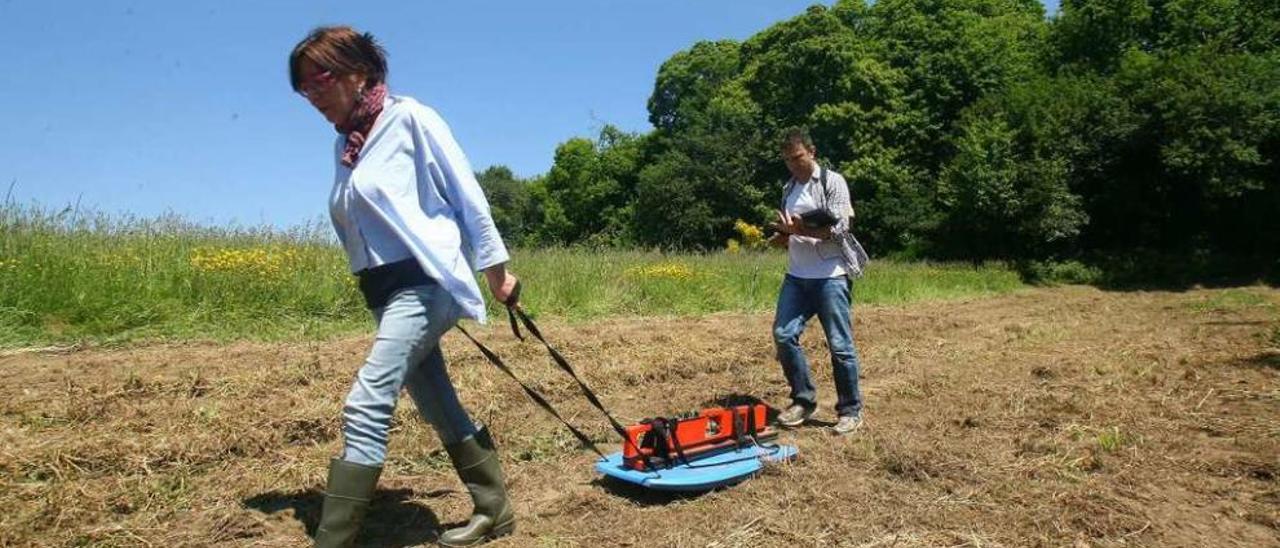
1049	417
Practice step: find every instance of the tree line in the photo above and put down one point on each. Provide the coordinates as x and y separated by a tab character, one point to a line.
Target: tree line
967	129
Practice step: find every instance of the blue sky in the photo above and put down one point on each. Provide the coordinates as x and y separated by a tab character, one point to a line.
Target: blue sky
147	107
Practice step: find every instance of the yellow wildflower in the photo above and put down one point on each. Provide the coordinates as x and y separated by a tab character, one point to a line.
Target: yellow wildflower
752	235
674	271
255	262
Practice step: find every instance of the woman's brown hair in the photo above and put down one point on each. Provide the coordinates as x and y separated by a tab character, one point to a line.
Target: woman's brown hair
342	51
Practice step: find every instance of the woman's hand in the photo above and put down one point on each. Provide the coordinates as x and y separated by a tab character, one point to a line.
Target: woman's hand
501	283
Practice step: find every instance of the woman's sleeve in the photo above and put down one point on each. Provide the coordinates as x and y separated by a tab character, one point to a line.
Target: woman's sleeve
463	192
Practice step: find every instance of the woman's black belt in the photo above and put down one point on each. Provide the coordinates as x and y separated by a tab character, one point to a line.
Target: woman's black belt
379	283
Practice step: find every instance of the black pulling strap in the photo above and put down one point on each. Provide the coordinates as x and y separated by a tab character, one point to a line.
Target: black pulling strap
514	311
564	365
533	394
513	302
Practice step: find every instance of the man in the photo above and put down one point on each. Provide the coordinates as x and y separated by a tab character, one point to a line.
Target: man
822	258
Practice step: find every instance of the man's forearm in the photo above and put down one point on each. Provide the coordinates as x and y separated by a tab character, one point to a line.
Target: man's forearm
821	233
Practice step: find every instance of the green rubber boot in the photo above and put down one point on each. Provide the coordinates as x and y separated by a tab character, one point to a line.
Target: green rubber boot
477	463
346	499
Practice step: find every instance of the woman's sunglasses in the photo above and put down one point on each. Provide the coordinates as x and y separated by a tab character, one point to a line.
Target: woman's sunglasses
317	83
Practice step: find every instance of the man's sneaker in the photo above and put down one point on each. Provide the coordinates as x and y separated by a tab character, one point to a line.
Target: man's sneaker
847	424
795	415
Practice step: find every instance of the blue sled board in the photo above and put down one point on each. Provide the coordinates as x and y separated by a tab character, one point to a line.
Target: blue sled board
703	474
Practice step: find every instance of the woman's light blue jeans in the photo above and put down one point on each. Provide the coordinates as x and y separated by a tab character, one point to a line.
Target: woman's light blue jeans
406	353
828	298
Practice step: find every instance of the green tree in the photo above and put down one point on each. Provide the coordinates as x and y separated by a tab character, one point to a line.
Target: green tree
1211	124
701	170
966	128
1095	33
689	195
585	197
1004	196
510	202
955	52
1098	33
946	55
687	82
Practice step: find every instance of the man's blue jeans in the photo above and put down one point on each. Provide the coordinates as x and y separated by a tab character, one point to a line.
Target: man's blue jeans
406	353
827	298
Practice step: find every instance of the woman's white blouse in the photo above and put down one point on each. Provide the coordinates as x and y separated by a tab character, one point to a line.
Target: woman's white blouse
367	240
412	193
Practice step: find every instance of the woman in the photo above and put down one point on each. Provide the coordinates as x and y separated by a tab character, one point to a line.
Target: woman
415	226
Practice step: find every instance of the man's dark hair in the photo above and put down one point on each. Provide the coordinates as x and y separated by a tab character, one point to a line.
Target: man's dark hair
796	136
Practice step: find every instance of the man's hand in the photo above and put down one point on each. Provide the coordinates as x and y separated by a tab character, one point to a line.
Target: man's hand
501	283
787	224
791	224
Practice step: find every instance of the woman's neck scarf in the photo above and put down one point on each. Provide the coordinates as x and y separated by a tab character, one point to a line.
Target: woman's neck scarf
360	122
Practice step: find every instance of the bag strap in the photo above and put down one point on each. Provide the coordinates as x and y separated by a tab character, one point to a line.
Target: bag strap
786	189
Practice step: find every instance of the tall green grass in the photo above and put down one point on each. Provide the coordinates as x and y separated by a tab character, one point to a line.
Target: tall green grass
578	284
68	276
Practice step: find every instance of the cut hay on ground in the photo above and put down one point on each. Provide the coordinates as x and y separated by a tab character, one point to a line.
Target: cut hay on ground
1046	418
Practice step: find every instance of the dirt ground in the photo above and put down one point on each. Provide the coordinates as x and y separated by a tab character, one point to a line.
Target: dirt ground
1050	417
